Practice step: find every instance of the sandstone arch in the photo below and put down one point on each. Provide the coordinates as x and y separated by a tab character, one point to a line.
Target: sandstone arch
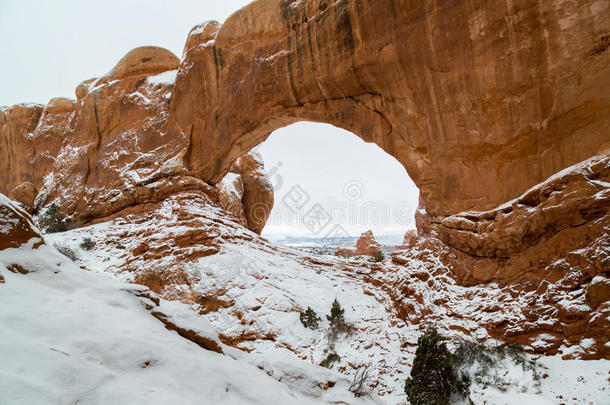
479	101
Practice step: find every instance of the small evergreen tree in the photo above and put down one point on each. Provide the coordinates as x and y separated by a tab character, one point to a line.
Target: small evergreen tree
433	378
310	319
52	219
336	314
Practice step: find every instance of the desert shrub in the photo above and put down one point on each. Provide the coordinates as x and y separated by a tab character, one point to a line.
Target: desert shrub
331	358
433	379
378	258
310	319
66	251
87	243
360	384
438	374
489	366
52	219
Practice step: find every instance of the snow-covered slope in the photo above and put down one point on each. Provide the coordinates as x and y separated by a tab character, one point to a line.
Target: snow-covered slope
71	336
228	282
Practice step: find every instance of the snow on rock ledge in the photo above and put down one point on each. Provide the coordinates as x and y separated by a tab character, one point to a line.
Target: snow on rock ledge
16	226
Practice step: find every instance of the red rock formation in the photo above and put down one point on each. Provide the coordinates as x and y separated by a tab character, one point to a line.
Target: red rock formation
16	226
230	195
479	103
525	238
366	245
524	92
247	193
17	123
258	191
25	194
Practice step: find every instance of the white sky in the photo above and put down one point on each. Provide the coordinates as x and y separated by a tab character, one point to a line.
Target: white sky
48	47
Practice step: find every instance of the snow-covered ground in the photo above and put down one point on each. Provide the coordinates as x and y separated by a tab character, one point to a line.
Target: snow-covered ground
70	336
262	291
77	331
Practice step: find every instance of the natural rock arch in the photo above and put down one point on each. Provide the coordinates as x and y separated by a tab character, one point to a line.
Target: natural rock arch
479	101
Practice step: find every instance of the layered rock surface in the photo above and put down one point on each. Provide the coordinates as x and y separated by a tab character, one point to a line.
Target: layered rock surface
479	102
477	114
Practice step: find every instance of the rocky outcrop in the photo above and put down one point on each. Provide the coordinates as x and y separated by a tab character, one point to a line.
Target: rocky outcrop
574	197
24	194
146	60
17	124
16	226
366	245
516	93
230	195
483	104
247	193
535	236
345	252
258	192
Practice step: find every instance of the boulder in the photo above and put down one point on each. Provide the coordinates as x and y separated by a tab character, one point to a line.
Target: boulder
258	192
25	194
598	291
144	60
16	226
345	252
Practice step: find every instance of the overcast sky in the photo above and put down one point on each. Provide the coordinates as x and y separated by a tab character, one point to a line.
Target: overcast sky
48	47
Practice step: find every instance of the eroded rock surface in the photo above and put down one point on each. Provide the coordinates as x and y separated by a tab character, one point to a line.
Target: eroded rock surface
478	102
508	96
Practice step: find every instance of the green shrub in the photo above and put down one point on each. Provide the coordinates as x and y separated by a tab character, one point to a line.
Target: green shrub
438	375
310	319
87	243
433	378
331	358
52	220
378	258
486	365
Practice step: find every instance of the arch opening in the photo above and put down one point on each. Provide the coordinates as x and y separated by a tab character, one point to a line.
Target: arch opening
329	184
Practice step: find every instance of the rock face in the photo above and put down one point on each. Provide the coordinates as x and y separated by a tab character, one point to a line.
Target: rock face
25	194
247	193
478	102
513	95
526	237
366	245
